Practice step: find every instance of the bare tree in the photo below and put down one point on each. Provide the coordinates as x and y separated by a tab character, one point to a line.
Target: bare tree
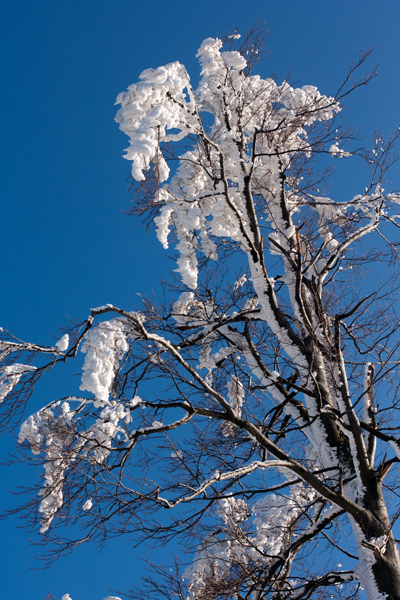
253	412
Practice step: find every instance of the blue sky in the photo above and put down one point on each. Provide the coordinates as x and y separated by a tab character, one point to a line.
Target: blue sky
67	245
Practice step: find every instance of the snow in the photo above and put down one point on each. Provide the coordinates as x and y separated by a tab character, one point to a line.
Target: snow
88	504
177	454
240	282
182	306
164	99
338	152
104	345
363	571
63	343
101	308
210	361
271	517
236	394
10	376
148	109
35	430
396	447
51	429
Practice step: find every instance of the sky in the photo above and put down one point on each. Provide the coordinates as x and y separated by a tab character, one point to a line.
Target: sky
67	243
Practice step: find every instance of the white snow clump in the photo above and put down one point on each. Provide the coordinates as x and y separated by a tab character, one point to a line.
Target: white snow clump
104	345
62	343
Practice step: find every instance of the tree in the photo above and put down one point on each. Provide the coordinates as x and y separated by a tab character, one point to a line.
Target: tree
243	413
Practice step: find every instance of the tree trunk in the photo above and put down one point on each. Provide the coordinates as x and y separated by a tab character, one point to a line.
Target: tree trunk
379	565
386	571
